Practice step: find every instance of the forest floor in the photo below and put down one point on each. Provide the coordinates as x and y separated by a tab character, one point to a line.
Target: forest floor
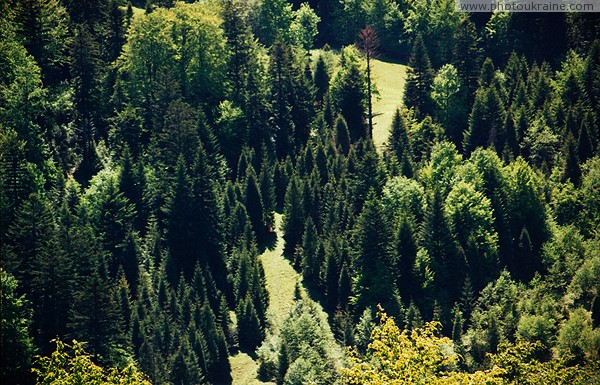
389	78
281	281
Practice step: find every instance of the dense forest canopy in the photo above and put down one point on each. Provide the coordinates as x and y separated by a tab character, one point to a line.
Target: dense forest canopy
159	159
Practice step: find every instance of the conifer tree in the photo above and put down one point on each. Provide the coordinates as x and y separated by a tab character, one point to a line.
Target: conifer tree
310	250
180	217
294	215
344	288
447	262
404	256
95	318
282	88
321	78
16	343
419	79
44	27
254	203
571	170
267	192
208	221
398	141
331	274
371	259
466	57
249	329
342	135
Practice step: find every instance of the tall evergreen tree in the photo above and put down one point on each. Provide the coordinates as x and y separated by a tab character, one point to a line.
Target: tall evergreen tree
371	258
419	79
254	203
448	263
467	56
310	250
293	224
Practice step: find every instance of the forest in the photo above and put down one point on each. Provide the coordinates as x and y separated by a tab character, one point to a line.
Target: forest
191	190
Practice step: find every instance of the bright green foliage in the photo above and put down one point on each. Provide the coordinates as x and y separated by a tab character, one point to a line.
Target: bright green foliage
185	37
274	21
470	214
448	93
304	26
411	357
70	364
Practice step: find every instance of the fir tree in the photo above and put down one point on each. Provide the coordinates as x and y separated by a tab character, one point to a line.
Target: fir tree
371	259
249	329
310	252
321	78
254	204
293	224
466	57
342	135
447	262
419	79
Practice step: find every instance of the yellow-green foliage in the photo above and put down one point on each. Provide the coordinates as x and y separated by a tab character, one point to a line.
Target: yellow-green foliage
71	365
420	356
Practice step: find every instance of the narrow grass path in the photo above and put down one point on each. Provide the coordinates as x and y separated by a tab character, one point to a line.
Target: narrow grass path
281	281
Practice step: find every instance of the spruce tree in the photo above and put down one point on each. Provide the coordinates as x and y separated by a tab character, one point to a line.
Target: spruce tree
371	258
95	317
310	250
447	262
254	204
180	236
466	57
321	78
404	256
294	215
342	135
207	221
419	79
398	141
249	329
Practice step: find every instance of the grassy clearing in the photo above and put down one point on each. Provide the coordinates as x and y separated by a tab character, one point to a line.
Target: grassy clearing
281	279
244	369
390	79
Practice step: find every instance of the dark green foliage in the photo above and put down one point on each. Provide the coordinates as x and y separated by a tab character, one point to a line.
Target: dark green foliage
485	121
447	261
254	204
16	342
403	259
294	215
399	144
466	56
311	265
249	329
342	135
321	78
419	80
371	260
143	159
97	319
